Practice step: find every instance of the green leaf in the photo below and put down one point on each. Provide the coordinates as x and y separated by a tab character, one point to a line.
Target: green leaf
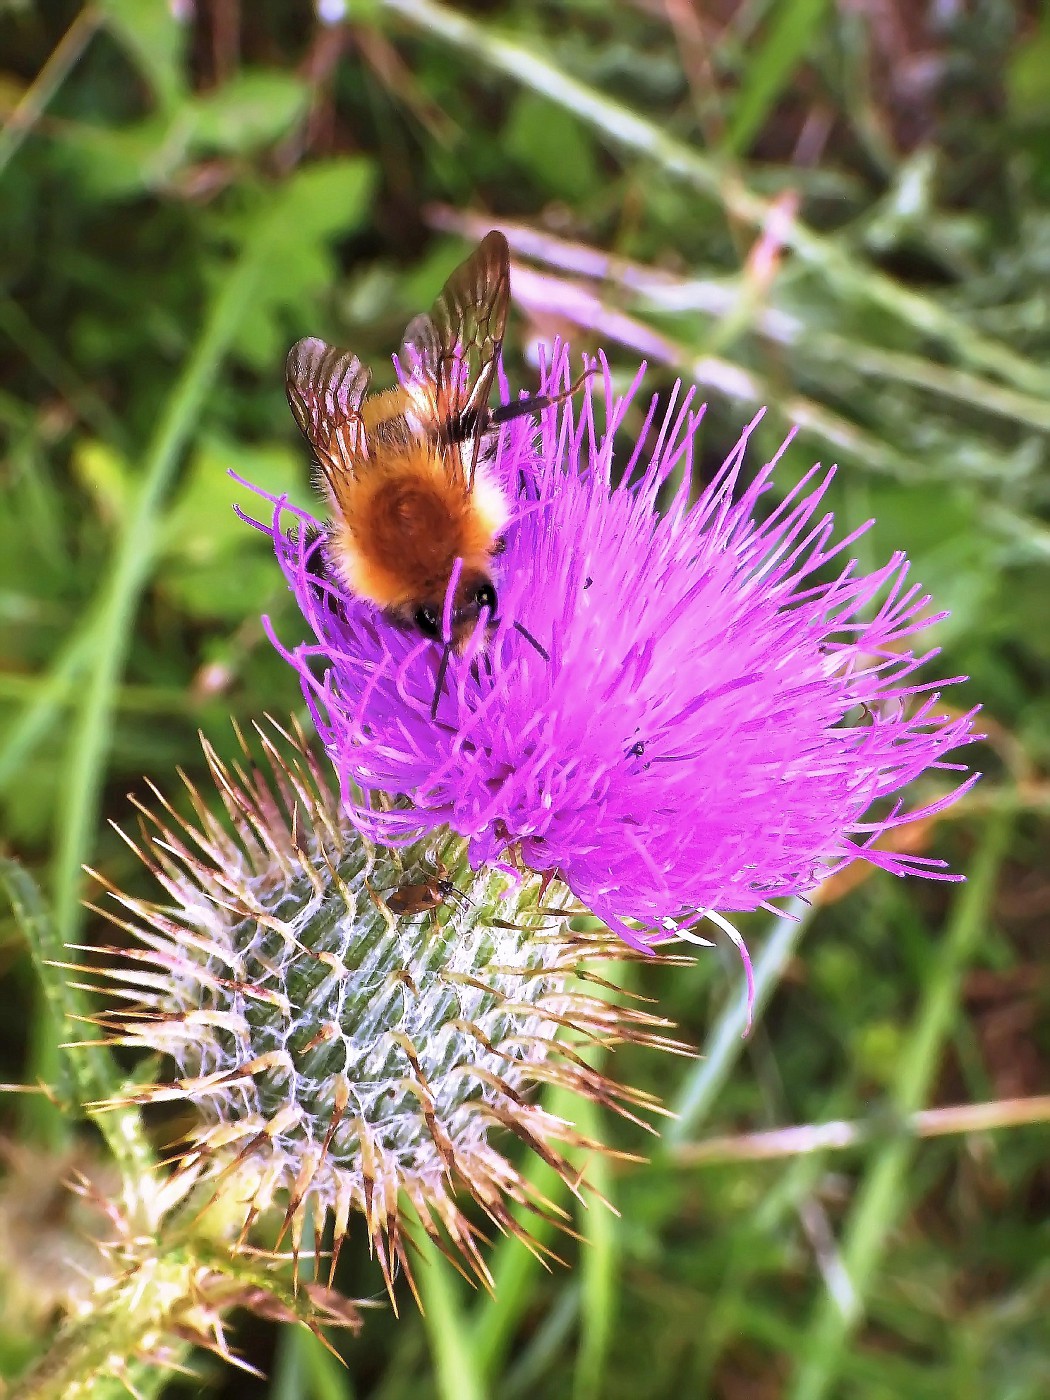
249	112
246	114
1028	90
227	589
202	525
771	67
106	477
318	205
155	41
39	717
121	162
325	199
951	554
553	146
456	1373
599	1265
882	1196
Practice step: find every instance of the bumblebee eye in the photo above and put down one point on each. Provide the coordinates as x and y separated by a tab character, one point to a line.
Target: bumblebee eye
485	597
428	620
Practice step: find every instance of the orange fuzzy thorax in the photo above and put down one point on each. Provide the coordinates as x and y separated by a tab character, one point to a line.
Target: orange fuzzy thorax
402	517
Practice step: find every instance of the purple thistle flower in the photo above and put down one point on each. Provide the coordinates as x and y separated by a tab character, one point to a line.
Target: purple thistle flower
725	698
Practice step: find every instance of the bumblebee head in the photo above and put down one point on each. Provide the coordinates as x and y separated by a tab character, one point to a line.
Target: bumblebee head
475	594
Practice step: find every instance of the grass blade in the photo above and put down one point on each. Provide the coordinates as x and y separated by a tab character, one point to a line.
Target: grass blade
92	728
878	1201
726	1040
771	66
63	59
846	274
456	1374
91	1072
598	1266
40	713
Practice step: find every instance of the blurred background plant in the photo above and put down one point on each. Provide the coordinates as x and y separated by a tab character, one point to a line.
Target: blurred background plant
841	210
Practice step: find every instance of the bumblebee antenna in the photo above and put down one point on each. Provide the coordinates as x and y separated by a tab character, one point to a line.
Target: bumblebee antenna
518	627
518	408
447	615
446	652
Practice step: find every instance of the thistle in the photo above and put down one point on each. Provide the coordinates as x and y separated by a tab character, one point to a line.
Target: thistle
342	1059
133	1275
701	708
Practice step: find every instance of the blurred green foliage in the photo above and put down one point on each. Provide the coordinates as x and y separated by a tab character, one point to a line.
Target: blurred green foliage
841	211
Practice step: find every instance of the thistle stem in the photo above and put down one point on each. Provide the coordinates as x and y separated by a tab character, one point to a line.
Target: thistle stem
121	1327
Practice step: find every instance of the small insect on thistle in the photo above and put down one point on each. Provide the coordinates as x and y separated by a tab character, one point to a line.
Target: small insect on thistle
408	473
411	899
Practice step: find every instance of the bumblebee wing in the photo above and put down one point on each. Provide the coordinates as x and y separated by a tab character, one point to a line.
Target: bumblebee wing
420	361
326	387
420	347
451	354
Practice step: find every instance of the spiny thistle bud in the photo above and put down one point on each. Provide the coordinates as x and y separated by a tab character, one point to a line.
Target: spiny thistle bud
352	1024
132	1273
